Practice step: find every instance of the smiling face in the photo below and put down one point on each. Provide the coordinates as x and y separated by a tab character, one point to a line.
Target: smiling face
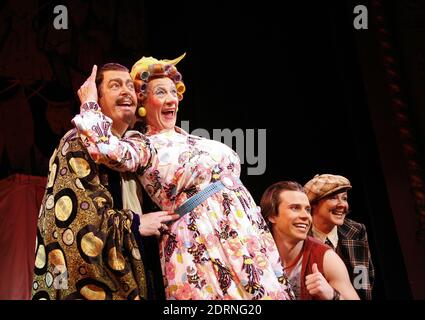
118	98
293	219
161	104
330	211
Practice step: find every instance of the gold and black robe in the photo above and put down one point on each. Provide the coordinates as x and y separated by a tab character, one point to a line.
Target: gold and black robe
85	248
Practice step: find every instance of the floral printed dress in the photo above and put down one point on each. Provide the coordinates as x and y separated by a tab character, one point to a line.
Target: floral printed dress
223	248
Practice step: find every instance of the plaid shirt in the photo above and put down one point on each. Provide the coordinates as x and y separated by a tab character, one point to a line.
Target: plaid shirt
353	248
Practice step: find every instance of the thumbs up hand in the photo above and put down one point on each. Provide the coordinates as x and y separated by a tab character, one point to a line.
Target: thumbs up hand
317	285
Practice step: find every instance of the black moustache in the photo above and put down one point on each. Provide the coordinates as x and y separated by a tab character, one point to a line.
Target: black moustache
125	99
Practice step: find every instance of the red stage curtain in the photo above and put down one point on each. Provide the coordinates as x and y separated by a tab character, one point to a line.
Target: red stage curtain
20	201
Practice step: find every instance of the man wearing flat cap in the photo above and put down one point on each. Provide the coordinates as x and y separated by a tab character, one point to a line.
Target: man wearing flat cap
329	201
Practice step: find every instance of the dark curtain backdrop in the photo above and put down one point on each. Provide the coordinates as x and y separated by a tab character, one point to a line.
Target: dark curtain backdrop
290	68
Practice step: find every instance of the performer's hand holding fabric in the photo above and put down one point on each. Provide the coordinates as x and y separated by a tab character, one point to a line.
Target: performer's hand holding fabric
152	224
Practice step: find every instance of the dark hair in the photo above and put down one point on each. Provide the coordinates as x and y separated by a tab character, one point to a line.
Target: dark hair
103	69
270	200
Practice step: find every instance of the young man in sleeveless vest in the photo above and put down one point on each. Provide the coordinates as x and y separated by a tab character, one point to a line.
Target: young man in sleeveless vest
314	270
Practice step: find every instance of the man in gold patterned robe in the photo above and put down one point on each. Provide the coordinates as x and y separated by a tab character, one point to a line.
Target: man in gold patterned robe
86	248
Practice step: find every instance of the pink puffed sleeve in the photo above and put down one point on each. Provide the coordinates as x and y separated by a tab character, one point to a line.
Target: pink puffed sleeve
129	153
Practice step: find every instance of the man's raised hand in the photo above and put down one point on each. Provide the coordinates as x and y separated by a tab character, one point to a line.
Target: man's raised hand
88	90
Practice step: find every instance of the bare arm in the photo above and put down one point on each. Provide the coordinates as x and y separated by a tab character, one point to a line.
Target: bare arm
337	275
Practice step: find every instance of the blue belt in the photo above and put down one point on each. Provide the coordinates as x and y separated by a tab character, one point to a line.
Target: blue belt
207	192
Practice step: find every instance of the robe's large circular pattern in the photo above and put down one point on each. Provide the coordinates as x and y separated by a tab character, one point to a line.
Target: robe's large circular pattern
92	289
65	207
40	265
80	166
90	243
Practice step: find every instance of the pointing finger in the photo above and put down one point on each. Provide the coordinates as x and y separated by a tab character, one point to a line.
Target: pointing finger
93	74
